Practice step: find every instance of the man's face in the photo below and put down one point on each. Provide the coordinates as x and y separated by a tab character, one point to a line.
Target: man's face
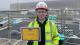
41	13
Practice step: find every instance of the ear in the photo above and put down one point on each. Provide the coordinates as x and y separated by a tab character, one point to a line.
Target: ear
47	15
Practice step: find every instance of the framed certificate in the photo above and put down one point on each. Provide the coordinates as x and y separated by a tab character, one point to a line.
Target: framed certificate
30	33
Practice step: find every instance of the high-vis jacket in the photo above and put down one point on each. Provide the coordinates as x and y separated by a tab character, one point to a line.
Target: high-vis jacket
51	33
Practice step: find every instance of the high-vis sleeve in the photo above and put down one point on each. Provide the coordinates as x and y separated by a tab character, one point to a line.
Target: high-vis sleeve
30	24
55	36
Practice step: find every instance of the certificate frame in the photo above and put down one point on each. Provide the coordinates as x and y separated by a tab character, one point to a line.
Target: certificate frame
30	29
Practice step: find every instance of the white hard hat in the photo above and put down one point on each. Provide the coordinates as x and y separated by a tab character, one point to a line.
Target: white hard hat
42	5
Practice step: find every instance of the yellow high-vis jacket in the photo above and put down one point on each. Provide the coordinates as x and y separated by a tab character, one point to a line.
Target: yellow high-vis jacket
51	33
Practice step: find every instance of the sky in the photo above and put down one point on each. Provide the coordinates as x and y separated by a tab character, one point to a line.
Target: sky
5	4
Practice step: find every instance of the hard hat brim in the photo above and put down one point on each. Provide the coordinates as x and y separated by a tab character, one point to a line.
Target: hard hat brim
42	8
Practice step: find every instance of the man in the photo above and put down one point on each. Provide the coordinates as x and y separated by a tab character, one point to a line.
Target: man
49	33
